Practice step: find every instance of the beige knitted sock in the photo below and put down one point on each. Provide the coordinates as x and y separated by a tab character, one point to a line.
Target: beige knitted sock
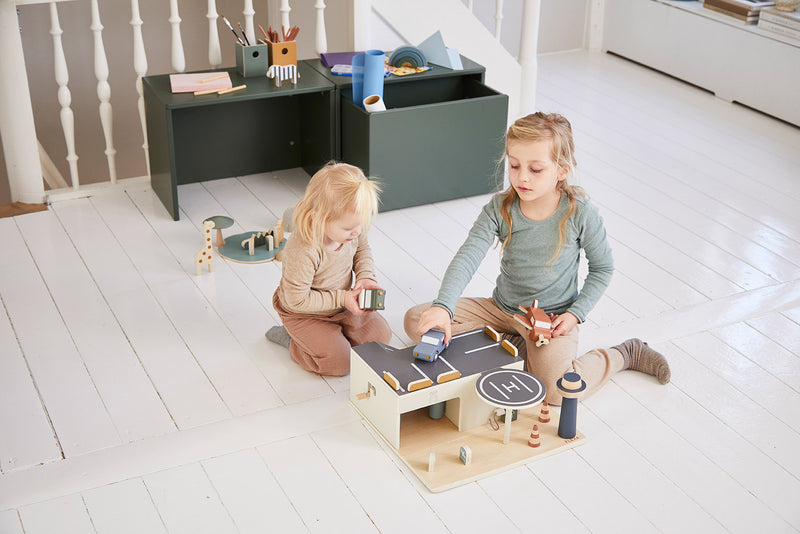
640	357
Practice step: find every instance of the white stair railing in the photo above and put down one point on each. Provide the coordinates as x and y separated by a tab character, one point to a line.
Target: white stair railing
214	51
103	91
64	95
140	66
249	27
16	111
528	48
498	18
17	130
178	58
285	9
321	35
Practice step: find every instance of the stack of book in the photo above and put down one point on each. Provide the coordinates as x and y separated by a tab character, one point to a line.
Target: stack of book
786	24
746	10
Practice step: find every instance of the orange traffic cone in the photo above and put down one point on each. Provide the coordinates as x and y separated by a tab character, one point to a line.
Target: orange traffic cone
534	441
544	413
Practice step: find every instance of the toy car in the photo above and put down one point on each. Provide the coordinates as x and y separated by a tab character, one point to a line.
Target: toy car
429	347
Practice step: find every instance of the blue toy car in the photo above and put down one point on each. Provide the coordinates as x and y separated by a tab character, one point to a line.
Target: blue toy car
429	347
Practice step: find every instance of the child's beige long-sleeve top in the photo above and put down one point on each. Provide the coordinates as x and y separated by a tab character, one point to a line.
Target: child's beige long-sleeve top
314	280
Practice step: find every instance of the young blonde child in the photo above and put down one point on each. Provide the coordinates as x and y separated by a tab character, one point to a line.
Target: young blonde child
326	263
541	224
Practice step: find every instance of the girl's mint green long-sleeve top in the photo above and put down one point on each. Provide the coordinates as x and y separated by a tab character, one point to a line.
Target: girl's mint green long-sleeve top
527	272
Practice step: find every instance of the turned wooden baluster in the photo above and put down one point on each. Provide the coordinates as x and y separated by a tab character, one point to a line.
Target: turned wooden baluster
64	95
103	91
140	66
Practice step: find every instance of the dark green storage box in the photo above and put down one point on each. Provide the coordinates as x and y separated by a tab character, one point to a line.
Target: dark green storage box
439	139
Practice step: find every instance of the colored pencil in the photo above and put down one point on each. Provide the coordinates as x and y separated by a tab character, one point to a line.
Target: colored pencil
232	89
221	76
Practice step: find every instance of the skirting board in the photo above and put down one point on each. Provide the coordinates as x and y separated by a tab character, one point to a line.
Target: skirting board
420	435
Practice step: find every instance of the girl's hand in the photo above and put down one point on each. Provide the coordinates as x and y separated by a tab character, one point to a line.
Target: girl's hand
435	317
351	297
562	324
351	301
366	283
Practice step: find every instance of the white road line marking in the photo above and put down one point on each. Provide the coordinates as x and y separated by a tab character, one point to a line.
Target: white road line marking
467	334
419	371
448	363
481	348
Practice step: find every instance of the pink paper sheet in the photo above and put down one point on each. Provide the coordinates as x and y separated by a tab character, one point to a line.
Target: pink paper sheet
189	83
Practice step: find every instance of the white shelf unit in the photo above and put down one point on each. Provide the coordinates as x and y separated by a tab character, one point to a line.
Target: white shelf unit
736	61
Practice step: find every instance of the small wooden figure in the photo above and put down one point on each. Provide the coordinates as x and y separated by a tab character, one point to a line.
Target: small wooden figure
431	462
534	440
570	386
282	72
205	255
465	455
537	322
544	413
271	238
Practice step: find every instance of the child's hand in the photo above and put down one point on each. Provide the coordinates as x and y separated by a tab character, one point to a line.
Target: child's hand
351	297
562	324
435	317
351	301
365	283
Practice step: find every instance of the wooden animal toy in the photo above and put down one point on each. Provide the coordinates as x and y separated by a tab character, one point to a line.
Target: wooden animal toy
537	322
282	72
205	255
271	238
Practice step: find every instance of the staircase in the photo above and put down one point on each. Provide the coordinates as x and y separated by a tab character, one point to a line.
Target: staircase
461	30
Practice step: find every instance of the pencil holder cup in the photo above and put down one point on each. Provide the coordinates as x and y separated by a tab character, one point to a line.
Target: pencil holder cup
252	60
284	53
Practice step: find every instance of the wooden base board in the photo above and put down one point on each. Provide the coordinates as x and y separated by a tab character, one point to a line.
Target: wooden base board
420	435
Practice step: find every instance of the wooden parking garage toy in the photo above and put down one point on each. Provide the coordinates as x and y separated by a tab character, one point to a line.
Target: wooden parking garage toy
393	392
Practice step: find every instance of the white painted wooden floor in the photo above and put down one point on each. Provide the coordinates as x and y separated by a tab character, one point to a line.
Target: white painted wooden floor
137	397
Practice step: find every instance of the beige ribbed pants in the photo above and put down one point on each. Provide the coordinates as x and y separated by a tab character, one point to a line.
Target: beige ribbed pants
322	344
548	362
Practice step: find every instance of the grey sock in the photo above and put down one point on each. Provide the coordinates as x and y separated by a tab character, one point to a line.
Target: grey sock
279	336
640	357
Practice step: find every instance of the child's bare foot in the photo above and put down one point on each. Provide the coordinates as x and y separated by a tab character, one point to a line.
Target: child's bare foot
279	336
640	357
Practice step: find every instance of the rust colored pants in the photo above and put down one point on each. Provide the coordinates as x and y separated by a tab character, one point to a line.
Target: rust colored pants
548	362
322	344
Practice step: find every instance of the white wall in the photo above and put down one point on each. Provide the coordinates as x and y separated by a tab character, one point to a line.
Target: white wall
562	27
